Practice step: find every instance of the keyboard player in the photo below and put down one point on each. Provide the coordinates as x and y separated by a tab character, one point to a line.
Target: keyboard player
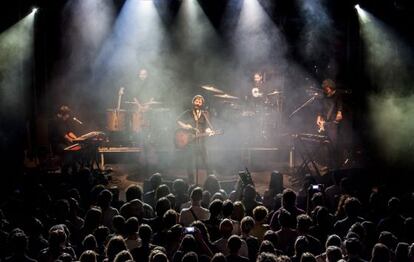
62	135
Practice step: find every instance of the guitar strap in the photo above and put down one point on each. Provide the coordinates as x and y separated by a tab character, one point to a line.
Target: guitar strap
330	112
207	120
194	215
196	117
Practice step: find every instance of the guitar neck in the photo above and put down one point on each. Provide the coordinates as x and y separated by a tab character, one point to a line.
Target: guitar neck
118	107
201	135
121	92
207	134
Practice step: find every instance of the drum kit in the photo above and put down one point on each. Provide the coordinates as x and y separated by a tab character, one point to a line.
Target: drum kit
129	120
138	118
260	109
270	101
133	120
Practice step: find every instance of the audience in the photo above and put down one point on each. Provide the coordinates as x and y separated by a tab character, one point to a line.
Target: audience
89	222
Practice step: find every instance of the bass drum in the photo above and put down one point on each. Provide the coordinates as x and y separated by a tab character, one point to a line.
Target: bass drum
137	121
116	120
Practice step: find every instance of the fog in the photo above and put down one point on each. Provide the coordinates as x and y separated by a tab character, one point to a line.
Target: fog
16	45
104	51
389	62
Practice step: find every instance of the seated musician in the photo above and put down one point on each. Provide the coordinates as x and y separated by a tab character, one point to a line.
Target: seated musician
62	133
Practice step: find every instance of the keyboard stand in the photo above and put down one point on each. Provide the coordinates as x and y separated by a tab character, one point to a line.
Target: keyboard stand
308	154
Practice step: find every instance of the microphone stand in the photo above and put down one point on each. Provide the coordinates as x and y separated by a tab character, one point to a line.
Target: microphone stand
196	152
292	148
307	102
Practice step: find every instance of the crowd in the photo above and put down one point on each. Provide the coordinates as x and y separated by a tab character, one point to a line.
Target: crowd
87	221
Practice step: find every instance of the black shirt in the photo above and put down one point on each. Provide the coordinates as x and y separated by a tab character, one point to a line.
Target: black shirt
58	130
330	105
188	117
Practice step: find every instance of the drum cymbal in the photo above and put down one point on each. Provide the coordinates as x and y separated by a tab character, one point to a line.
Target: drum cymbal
152	102
161	109
248	113
212	89
274	93
226	96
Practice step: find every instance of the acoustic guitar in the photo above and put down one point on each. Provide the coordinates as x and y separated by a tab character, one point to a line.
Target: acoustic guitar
117	120
184	137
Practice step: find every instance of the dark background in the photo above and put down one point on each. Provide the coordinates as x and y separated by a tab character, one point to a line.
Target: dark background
20	126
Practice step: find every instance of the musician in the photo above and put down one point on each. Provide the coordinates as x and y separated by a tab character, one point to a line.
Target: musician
196	121
144	92
256	95
63	133
330	117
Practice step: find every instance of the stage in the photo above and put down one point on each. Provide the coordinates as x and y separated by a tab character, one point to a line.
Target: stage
128	166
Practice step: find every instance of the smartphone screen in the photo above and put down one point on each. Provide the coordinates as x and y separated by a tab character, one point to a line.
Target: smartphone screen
189	230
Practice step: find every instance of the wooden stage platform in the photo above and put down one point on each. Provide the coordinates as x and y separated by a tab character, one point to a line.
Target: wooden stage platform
135	165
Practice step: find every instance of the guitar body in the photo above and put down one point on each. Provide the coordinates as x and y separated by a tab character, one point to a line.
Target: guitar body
183	138
116	120
324	125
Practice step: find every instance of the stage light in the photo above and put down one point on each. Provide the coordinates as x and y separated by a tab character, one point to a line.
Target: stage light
363	15
34	10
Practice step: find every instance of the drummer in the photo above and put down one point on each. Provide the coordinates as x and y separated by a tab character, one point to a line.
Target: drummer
141	98
145	92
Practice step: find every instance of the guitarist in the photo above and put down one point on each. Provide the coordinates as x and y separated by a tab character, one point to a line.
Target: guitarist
330	117
196	121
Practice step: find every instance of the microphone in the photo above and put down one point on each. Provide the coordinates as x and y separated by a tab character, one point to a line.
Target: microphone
344	91
77	120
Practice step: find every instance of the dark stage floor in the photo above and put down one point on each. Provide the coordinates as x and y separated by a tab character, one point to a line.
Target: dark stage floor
136	167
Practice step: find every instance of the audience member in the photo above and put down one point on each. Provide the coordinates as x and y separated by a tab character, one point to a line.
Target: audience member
380	253
213	222
115	245
260	225
88	256
155	181
142	252
333	254
108	212
288	204
234	244
394	221
195	211
252	242
18	244
131	237
352	208
353	248
249	199
286	235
